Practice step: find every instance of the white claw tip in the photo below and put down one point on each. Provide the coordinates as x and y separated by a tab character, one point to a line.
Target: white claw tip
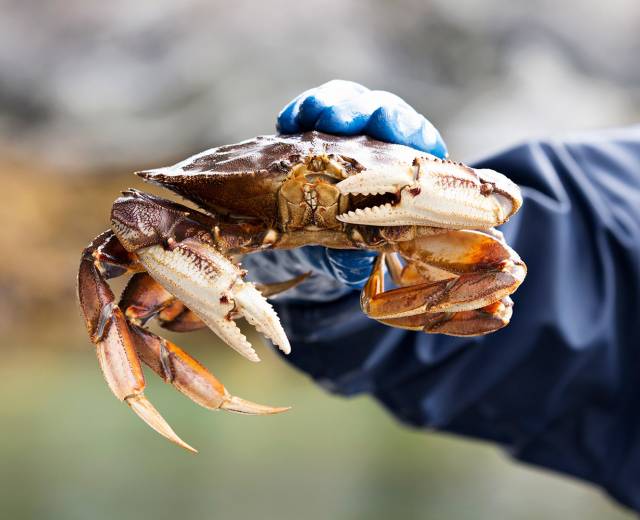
147	412
252	356
257	311
242	406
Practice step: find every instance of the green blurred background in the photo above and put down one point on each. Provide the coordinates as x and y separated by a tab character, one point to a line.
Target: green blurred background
90	91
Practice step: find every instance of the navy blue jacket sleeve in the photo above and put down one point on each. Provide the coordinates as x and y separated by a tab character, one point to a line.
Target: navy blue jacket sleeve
560	386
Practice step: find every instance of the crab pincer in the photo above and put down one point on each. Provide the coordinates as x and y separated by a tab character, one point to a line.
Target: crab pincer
182	256
433	192
457	280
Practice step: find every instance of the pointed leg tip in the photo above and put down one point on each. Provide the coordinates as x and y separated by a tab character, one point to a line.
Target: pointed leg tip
148	413
242	406
284	347
253	357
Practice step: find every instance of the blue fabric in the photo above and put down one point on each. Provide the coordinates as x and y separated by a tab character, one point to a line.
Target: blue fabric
334	273
560	386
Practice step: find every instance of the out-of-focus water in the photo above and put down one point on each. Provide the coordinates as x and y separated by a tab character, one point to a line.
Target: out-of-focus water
69	451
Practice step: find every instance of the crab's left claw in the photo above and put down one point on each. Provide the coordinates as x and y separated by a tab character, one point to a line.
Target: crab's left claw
433	192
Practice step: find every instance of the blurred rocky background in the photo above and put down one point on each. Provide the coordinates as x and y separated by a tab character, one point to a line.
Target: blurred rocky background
90	91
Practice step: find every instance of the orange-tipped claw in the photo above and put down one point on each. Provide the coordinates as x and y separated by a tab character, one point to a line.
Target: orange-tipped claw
116	347
147	412
242	406
190	377
464	323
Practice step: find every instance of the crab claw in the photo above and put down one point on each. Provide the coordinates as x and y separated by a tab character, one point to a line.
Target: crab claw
434	192
212	287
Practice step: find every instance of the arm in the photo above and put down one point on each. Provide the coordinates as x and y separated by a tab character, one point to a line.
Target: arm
559	386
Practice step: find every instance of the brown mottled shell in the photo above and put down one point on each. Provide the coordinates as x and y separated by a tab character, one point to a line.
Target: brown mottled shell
243	178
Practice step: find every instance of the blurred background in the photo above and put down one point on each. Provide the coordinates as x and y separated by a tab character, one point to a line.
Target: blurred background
90	91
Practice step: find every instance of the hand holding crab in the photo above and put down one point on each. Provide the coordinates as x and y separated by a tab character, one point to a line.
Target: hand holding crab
430	220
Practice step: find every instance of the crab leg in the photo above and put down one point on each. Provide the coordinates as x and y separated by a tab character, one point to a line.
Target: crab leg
144	298
482	271
464	323
190	377
110	333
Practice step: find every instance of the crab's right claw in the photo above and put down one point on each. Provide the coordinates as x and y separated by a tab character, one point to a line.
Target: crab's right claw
213	288
433	192
193	270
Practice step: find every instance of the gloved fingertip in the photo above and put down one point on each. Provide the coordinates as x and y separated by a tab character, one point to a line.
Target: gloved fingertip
428	139
403	125
308	113
286	122
302	114
341	120
383	125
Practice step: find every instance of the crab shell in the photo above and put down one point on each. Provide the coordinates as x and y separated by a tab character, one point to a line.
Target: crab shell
253	179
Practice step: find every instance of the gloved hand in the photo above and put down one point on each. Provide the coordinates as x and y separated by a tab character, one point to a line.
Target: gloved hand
342	108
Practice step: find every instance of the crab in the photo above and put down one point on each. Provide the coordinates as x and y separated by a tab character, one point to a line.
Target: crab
431	221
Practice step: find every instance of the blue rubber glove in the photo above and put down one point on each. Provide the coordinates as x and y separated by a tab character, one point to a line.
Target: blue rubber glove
341	108
346	108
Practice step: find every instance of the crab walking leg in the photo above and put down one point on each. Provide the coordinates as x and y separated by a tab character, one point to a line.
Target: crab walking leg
271	289
190	377
464	323
115	348
144	298
482	271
